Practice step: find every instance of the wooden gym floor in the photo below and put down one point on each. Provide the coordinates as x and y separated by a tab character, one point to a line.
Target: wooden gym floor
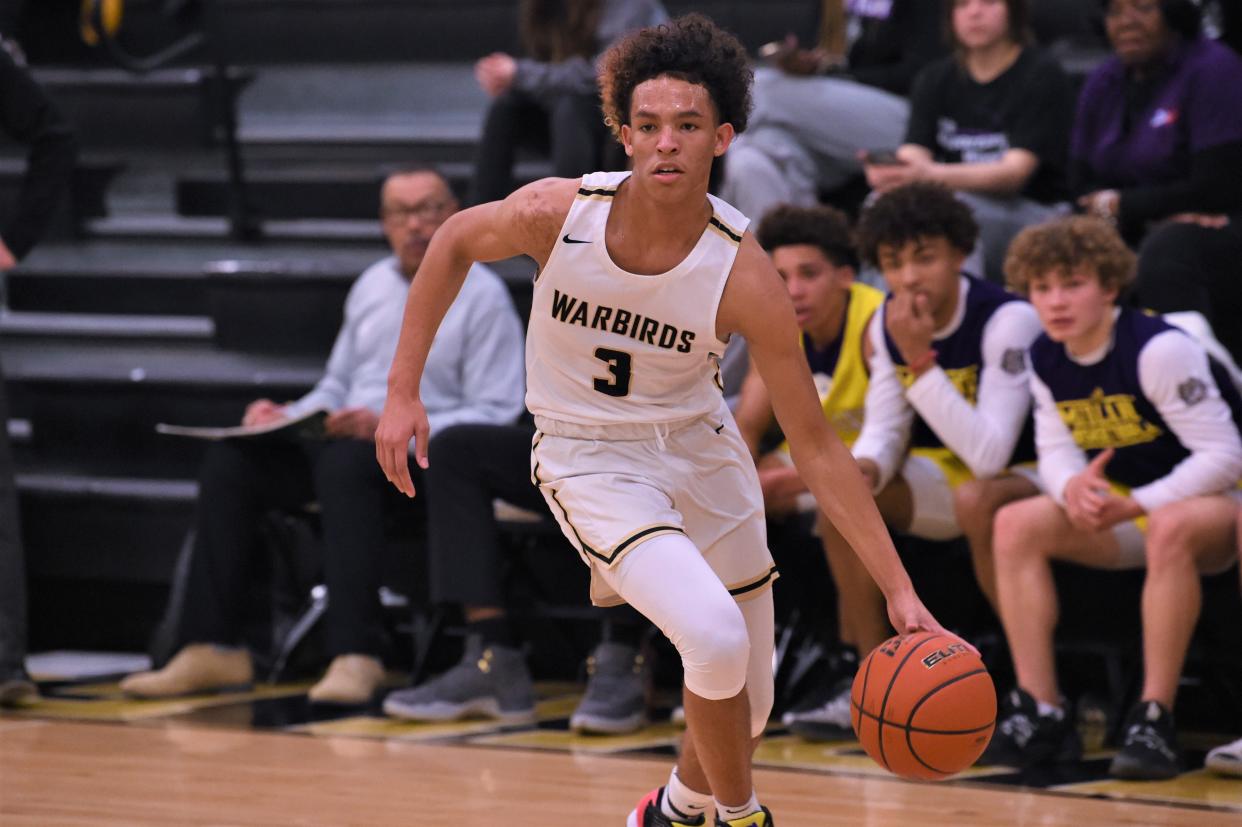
84	755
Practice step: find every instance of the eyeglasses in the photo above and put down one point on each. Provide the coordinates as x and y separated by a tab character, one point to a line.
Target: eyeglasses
424	211
1144	7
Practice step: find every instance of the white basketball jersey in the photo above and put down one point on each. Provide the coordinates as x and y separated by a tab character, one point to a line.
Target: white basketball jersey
606	346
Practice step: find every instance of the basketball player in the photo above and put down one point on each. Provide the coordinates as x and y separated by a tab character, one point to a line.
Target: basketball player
642	278
949	379
1137	433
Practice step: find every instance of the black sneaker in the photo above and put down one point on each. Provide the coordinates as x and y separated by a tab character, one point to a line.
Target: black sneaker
16	688
1024	738
823	715
763	818
1149	745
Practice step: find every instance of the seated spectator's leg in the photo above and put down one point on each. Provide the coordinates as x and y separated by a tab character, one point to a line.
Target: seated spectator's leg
14	683
831	118
1029	536
1033	726
469	466
1185	540
577	133
1188	267
512	120
976	502
1000	219
766	167
239	482
355	502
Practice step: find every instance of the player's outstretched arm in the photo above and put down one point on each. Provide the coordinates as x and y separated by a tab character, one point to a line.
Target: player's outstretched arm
525	223
756	305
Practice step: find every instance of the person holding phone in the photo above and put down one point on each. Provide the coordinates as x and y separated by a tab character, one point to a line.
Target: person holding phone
991	122
815	108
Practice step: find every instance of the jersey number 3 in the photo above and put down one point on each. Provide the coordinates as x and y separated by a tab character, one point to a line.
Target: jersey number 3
620	365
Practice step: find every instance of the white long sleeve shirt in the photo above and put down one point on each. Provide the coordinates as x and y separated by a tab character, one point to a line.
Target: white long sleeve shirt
975	402
1173	378
475	370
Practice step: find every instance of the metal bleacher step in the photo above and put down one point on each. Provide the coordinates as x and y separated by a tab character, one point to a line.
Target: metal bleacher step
149	328
94	406
163	226
103	528
113	108
328	191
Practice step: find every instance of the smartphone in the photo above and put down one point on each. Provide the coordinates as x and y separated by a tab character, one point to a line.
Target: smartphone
882	158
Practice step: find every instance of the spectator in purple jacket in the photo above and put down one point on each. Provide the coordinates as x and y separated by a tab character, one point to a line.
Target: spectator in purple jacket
1157	148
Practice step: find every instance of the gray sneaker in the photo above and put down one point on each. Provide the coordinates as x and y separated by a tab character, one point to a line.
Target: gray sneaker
826	718
615	702
490	682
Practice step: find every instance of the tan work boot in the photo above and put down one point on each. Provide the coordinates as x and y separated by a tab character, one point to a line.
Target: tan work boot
202	667
351	680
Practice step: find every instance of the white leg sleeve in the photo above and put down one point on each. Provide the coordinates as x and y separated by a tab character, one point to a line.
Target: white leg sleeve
669	582
761	627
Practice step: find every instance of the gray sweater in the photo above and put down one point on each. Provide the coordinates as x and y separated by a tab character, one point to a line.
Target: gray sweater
475	371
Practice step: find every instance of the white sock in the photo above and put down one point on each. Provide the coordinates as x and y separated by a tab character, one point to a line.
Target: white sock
681	802
1049	710
731	813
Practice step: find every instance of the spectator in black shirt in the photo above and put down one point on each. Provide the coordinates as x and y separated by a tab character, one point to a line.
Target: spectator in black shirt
27	116
815	109
992	123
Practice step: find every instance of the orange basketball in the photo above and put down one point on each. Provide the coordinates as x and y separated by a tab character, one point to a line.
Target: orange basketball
923	706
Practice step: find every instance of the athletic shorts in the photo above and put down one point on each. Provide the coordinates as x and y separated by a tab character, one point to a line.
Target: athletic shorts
611	487
932	475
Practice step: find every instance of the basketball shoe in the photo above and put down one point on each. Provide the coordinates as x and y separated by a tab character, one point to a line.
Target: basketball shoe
823	717
490	681
1025	738
1226	759
615	701
1149	746
763	818
649	814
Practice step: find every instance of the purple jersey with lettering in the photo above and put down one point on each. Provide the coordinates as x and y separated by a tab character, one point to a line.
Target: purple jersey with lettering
1104	405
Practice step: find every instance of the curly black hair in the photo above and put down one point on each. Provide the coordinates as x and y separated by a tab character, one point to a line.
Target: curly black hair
920	210
824	227
690	48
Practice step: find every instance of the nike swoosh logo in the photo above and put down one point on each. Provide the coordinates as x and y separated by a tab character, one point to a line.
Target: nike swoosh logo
569	240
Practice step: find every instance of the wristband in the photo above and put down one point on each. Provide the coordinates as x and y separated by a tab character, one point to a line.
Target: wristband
923	364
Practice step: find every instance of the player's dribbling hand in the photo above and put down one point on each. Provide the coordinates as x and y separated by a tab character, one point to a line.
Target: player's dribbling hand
401	420
908	614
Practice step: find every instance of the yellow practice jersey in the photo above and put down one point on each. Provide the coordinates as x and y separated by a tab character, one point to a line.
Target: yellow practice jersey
840	371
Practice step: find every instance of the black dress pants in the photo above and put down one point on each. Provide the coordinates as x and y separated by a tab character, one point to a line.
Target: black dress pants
243	480
569	128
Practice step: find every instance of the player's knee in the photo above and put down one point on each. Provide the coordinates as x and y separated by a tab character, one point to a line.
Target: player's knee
1171	537
715	652
971	502
1011	533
